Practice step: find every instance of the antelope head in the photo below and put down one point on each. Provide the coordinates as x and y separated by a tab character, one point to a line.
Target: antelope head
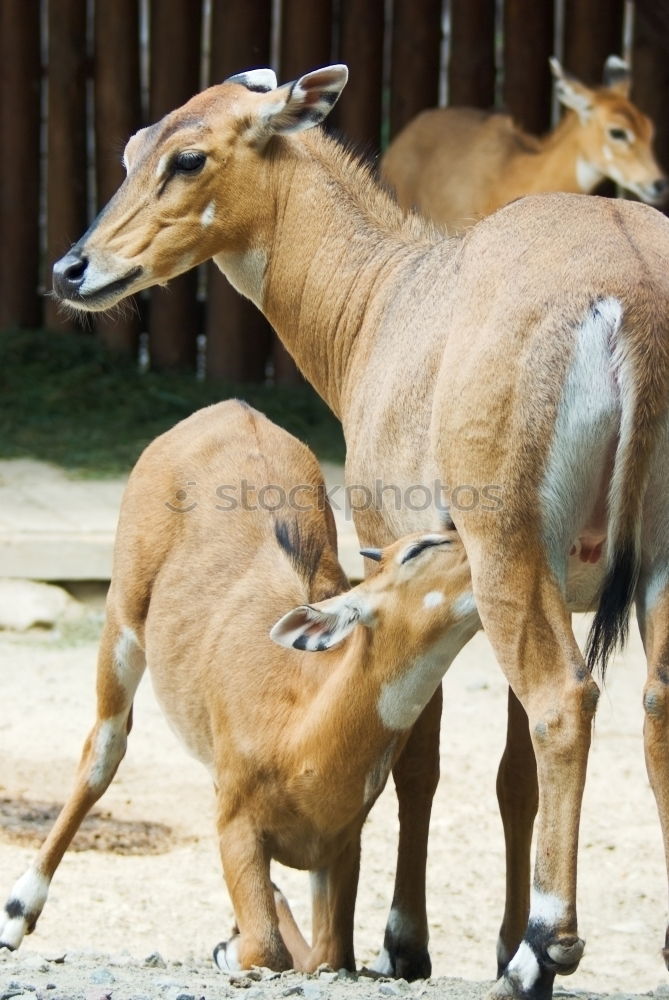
421	591
615	137
197	185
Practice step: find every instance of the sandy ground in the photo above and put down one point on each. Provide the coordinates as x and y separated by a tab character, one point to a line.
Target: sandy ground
123	907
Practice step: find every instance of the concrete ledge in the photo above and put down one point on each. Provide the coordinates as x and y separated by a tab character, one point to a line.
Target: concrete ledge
53	527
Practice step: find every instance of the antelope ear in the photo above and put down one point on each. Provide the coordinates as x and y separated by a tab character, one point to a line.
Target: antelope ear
316	627
617	76
302	104
571	92
261	80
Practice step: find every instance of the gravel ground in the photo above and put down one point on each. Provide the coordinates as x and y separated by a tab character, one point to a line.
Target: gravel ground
146	876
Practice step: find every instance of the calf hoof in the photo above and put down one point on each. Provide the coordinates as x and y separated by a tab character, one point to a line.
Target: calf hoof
403	961
226	955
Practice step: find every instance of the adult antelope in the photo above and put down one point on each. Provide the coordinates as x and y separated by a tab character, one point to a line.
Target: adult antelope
456	165
224	525
531	355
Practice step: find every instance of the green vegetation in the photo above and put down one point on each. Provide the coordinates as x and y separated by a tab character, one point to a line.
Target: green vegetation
67	400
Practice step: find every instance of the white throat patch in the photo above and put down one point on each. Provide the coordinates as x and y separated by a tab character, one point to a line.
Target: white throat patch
587	175
245	272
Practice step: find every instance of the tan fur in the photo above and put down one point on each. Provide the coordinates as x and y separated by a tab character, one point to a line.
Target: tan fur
529	357
290	738
457	165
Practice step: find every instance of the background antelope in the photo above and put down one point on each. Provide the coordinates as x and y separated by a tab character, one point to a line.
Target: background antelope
530	355
456	165
298	746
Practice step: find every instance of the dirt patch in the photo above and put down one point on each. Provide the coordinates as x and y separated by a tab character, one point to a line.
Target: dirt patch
27	822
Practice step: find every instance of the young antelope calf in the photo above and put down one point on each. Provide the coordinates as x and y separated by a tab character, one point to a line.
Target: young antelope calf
225	526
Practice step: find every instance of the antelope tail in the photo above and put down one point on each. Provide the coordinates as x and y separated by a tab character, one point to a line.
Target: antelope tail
641	369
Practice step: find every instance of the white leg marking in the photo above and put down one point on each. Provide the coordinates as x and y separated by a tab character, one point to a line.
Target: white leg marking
382	964
546	908
23	907
524	966
129	660
110	745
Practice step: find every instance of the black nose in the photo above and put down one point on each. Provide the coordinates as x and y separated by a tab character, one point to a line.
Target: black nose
69	274
661	187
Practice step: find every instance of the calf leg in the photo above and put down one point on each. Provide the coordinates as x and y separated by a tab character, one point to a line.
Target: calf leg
518	797
120	667
654	620
333	895
416	774
257	939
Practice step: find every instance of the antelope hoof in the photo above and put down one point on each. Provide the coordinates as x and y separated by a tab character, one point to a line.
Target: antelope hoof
563	956
517	986
226	955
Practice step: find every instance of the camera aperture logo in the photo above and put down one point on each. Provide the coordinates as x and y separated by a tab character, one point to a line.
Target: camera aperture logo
272	497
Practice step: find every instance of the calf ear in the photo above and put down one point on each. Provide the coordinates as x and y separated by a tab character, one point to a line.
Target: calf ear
302	104
571	92
317	627
262	80
617	75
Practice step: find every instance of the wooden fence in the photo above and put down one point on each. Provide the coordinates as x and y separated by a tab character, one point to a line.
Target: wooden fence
78	76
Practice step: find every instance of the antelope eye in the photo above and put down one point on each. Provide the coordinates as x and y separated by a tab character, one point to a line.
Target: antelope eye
618	133
189	161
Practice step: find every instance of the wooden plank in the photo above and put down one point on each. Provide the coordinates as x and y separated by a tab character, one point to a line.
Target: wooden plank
20	79
239	338
66	138
358	111
117	116
593	30
471	66
528	43
306	43
175	27
415	59
306	37
650	81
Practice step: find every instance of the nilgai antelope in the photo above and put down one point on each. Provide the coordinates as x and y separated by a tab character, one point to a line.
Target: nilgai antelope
456	165
224	526
527	362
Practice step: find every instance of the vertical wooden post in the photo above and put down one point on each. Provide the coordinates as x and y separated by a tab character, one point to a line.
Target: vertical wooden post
415	59
238	335
174	77
528	43
593	31
66	131
650	66
117	116
306	43
471	66
358	111
20	77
